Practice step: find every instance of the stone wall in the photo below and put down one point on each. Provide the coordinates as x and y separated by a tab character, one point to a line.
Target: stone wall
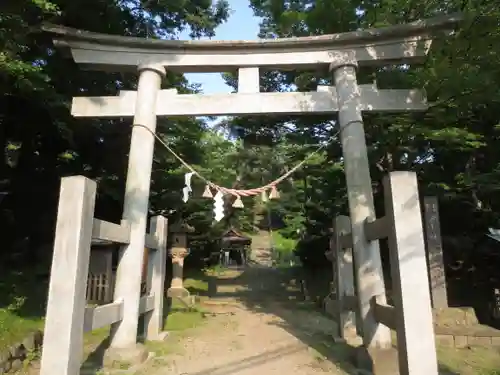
460	328
467	336
12	359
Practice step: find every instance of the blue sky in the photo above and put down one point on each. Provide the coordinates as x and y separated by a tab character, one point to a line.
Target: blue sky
242	25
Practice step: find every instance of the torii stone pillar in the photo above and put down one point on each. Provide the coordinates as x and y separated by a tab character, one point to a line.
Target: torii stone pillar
368	270
135	210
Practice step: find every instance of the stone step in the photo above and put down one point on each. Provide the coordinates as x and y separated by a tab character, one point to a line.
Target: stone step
477	330
455	315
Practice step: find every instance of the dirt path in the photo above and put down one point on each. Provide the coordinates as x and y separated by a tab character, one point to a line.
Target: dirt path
245	343
259	327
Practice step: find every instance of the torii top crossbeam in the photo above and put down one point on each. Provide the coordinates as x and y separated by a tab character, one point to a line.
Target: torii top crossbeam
402	44
408	43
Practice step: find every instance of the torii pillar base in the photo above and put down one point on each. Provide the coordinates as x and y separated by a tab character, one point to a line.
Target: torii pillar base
374	361
133	355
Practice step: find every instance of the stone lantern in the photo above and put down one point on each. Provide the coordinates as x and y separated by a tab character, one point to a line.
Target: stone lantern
178	252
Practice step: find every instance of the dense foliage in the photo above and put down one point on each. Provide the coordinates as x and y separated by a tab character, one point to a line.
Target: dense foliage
454	147
40	140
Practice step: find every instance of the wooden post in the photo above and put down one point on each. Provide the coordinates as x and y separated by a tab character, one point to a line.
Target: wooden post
344	276
108	296
368	272
135	210
99	284
63	334
414	321
157	262
437	276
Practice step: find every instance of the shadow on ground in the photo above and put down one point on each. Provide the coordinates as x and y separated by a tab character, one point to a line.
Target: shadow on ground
249	362
94	362
277	292
274	291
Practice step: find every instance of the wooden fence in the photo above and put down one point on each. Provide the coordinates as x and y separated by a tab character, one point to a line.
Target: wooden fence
100	288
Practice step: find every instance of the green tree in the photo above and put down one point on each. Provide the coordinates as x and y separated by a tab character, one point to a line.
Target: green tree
41	141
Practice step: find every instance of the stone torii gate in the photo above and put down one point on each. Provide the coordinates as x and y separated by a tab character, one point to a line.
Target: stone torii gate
340	53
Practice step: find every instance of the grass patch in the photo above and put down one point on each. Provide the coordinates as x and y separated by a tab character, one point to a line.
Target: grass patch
13	328
22	310
96	336
215	270
181	319
470	361
473	360
283	245
22	307
283	250
197	283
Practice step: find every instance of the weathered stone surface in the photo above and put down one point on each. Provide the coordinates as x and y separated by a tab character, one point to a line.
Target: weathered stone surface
450	316
156	269
38	337
330	307
178	252
369	280
343	270
391	43
463	330
16	364
445	340
177	293
461	342
3	367
479	341
4	356
67	289
377	361
16	351
495	341
12	358
7	365
413	319
470	317
432	230
29	343
132	355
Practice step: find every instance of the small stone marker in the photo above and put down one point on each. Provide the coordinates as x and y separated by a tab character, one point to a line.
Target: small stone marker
437	277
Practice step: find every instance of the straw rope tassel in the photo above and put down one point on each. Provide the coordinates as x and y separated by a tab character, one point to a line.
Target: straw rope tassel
274	193
207	193
263	196
238	203
246	192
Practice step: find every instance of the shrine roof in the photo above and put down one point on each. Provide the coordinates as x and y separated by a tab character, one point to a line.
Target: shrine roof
494	234
232	235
